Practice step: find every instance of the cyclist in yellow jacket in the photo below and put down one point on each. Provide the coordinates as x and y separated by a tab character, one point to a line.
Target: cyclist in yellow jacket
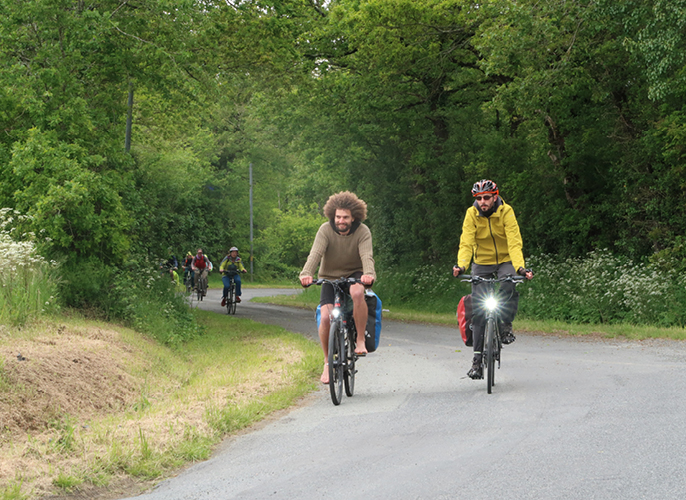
230	268
491	239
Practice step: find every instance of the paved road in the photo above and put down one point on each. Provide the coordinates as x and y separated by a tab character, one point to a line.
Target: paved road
568	419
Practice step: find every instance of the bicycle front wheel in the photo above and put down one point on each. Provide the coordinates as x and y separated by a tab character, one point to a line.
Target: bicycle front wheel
349	372
490	348
233	300
336	360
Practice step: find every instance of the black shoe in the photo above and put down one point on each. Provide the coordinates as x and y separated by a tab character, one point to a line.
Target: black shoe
506	335
477	371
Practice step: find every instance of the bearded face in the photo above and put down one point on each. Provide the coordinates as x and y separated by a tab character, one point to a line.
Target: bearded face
343	220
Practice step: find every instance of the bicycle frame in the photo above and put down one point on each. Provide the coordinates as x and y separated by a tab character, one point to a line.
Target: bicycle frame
340	312
492	341
188	277
231	297
201	282
342	340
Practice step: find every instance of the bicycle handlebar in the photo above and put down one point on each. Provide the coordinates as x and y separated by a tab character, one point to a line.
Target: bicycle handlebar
340	281
478	279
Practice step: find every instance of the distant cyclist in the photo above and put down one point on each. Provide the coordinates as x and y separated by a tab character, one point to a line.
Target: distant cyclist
187	271
230	268
201	267
170	264
491	237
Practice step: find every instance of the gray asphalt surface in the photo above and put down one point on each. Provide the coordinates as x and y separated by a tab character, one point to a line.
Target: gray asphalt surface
569	419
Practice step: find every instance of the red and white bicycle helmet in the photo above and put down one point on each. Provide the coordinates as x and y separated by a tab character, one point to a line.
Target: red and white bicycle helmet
484	186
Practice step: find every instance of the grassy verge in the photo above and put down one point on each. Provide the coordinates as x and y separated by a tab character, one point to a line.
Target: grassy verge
156	408
215	281
310	298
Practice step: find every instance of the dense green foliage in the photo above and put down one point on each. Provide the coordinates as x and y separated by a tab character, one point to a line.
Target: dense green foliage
550	99
574	108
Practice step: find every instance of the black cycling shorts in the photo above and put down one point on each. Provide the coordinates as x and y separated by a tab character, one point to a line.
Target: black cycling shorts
328	296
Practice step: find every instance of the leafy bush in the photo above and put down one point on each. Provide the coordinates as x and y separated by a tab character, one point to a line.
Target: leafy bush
597	288
151	304
72	197
285	244
27	280
136	294
604	288
428	288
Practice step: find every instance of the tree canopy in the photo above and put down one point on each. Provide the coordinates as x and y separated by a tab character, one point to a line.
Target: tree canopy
573	108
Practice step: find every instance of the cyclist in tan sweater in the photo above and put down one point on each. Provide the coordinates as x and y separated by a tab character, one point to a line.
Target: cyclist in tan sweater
342	248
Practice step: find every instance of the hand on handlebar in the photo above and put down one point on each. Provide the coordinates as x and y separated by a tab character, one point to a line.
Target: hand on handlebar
527	273
367	280
306	281
457	270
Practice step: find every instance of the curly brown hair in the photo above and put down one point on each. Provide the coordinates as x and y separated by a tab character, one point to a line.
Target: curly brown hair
345	200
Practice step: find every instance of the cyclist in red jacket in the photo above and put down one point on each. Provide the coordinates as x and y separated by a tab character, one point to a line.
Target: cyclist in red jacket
201	266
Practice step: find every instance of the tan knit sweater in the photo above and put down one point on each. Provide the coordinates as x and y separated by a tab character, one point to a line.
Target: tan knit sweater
340	256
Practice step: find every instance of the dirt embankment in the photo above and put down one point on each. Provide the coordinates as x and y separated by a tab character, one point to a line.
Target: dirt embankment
80	373
52	384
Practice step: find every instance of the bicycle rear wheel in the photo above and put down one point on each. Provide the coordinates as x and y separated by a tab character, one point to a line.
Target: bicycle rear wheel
349	372
336	354
490	348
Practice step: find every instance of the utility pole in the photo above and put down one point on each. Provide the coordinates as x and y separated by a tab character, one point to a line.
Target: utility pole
129	120
251	256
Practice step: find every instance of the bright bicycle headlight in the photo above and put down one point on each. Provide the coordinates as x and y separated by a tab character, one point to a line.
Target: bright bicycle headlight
491	304
336	313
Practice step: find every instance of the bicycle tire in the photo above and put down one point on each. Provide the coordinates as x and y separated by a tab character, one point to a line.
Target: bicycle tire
229	299
490	355
233	299
336	353
349	371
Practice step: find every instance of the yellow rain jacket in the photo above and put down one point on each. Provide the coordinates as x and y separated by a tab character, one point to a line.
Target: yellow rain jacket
490	240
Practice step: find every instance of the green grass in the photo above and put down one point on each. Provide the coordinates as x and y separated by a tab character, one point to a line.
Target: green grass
310	298
65	441
13	492
26	293
215	281
67	482
634	332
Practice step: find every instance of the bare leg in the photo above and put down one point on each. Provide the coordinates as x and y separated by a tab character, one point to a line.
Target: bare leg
324	326
360	313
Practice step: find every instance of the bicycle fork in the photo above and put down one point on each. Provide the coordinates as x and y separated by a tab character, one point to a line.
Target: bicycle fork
495	340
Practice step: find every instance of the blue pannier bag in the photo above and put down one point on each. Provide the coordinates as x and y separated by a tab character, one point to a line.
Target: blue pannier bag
372	334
